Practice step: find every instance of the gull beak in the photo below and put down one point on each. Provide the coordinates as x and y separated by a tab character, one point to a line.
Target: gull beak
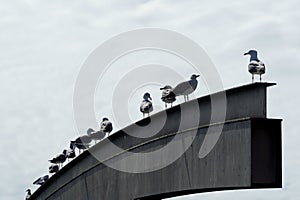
161	88
150	98
246	53
197	75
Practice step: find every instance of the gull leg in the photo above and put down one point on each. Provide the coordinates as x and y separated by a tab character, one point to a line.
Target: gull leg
252	78
187	97
166	105
260	77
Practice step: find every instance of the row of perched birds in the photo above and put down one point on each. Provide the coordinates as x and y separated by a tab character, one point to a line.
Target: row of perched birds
81	143
255	67
169	94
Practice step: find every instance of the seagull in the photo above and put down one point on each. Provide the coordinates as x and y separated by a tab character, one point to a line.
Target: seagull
53	169
168	96
255	65
41	180
95	135
106	126
146	106
82	142
28	195
187	87
59	159
70	153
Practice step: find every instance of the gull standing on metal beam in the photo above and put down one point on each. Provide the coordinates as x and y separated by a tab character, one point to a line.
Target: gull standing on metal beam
82	142
91	133
41	180
28	195
70	154
255	65
168	96
106	126
95	135
59	159
187	87
53	168
146	106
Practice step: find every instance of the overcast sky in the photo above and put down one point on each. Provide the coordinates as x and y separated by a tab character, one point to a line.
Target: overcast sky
44	44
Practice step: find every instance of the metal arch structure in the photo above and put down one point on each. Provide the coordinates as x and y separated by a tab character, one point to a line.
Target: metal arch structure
248	155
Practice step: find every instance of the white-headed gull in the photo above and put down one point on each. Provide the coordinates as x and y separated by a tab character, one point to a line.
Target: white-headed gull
187	87
255	66
146	105
167	95
41	180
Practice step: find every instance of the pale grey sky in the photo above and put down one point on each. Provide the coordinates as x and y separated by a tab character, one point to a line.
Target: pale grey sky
43	45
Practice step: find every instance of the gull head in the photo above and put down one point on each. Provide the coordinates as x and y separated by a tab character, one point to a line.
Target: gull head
251	53
166	87
104	119
90	131
194	76
65	151
147	96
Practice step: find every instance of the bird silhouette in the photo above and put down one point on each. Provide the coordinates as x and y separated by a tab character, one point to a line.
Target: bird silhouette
81	143
95	135
70	154
255	66
187	87
28	194
146	105
168	96
59	159
106	126
53	168
41	180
